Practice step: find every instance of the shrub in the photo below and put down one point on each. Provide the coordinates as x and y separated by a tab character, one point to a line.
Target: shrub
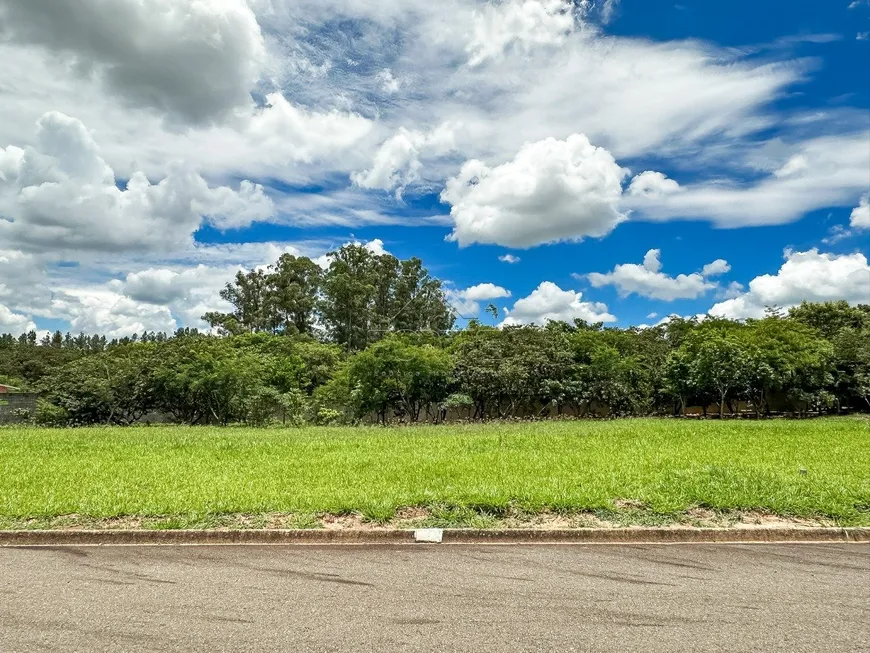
47	414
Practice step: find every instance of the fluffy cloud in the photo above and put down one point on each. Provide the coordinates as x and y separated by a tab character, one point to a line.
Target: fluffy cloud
166	286
553	190
716	268
163	291
520	23
484	291
188	293
276	140
62	195
630	95
467	302
734	289
282	132
549	302
194	60
397	163
509	258
648	280
805	276
154	302
14	323
652	184
860	218
106	312
167	87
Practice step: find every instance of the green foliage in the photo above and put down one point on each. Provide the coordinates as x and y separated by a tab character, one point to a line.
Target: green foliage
336	401
113	387
366	296
458	400
359	299
48	414
267	405
830	318
506	370
205	380
816	359
327	417
395	376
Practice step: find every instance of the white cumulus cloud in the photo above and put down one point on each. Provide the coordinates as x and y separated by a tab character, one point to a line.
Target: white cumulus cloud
485	291
467	302
62	195
813	174
860	218
652	184
398	161
509	258
805	276
523	24
648	280
196	61
14	323
717	267
549	302
553	190
104	311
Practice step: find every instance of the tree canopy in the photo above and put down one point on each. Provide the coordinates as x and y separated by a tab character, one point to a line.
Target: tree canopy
371	337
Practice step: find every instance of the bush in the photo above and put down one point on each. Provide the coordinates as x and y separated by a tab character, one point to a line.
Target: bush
268	406
47	414
328	417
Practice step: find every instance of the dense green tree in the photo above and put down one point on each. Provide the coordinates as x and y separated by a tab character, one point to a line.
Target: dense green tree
394	375
249	296
366	296
719	363
851	355
679	377
293	286
419	304
208	380
784	355
830	318
350	288
115	387
505	370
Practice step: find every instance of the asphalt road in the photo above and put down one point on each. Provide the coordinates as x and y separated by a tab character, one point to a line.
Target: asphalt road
437	598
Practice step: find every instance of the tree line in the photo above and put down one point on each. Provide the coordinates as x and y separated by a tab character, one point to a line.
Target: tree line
371	338
358	299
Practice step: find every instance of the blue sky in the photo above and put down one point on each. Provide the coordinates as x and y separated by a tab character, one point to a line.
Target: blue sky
614	148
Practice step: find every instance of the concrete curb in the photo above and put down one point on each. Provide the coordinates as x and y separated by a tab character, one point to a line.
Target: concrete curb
448	536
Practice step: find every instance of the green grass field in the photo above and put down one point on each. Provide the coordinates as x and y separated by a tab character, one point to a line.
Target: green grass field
191	476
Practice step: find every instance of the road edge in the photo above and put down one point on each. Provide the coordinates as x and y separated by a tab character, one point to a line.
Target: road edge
445	536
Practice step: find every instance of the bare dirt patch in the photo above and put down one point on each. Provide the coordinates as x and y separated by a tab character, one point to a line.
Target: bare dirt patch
753	519
411	517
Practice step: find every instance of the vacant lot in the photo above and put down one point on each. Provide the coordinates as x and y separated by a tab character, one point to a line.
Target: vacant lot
651	469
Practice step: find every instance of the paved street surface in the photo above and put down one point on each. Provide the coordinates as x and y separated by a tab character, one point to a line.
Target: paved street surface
436	598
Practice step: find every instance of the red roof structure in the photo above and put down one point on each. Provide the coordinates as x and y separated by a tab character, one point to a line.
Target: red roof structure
6	388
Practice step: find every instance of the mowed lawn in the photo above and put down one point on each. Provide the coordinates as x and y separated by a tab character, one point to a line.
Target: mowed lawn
800	468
